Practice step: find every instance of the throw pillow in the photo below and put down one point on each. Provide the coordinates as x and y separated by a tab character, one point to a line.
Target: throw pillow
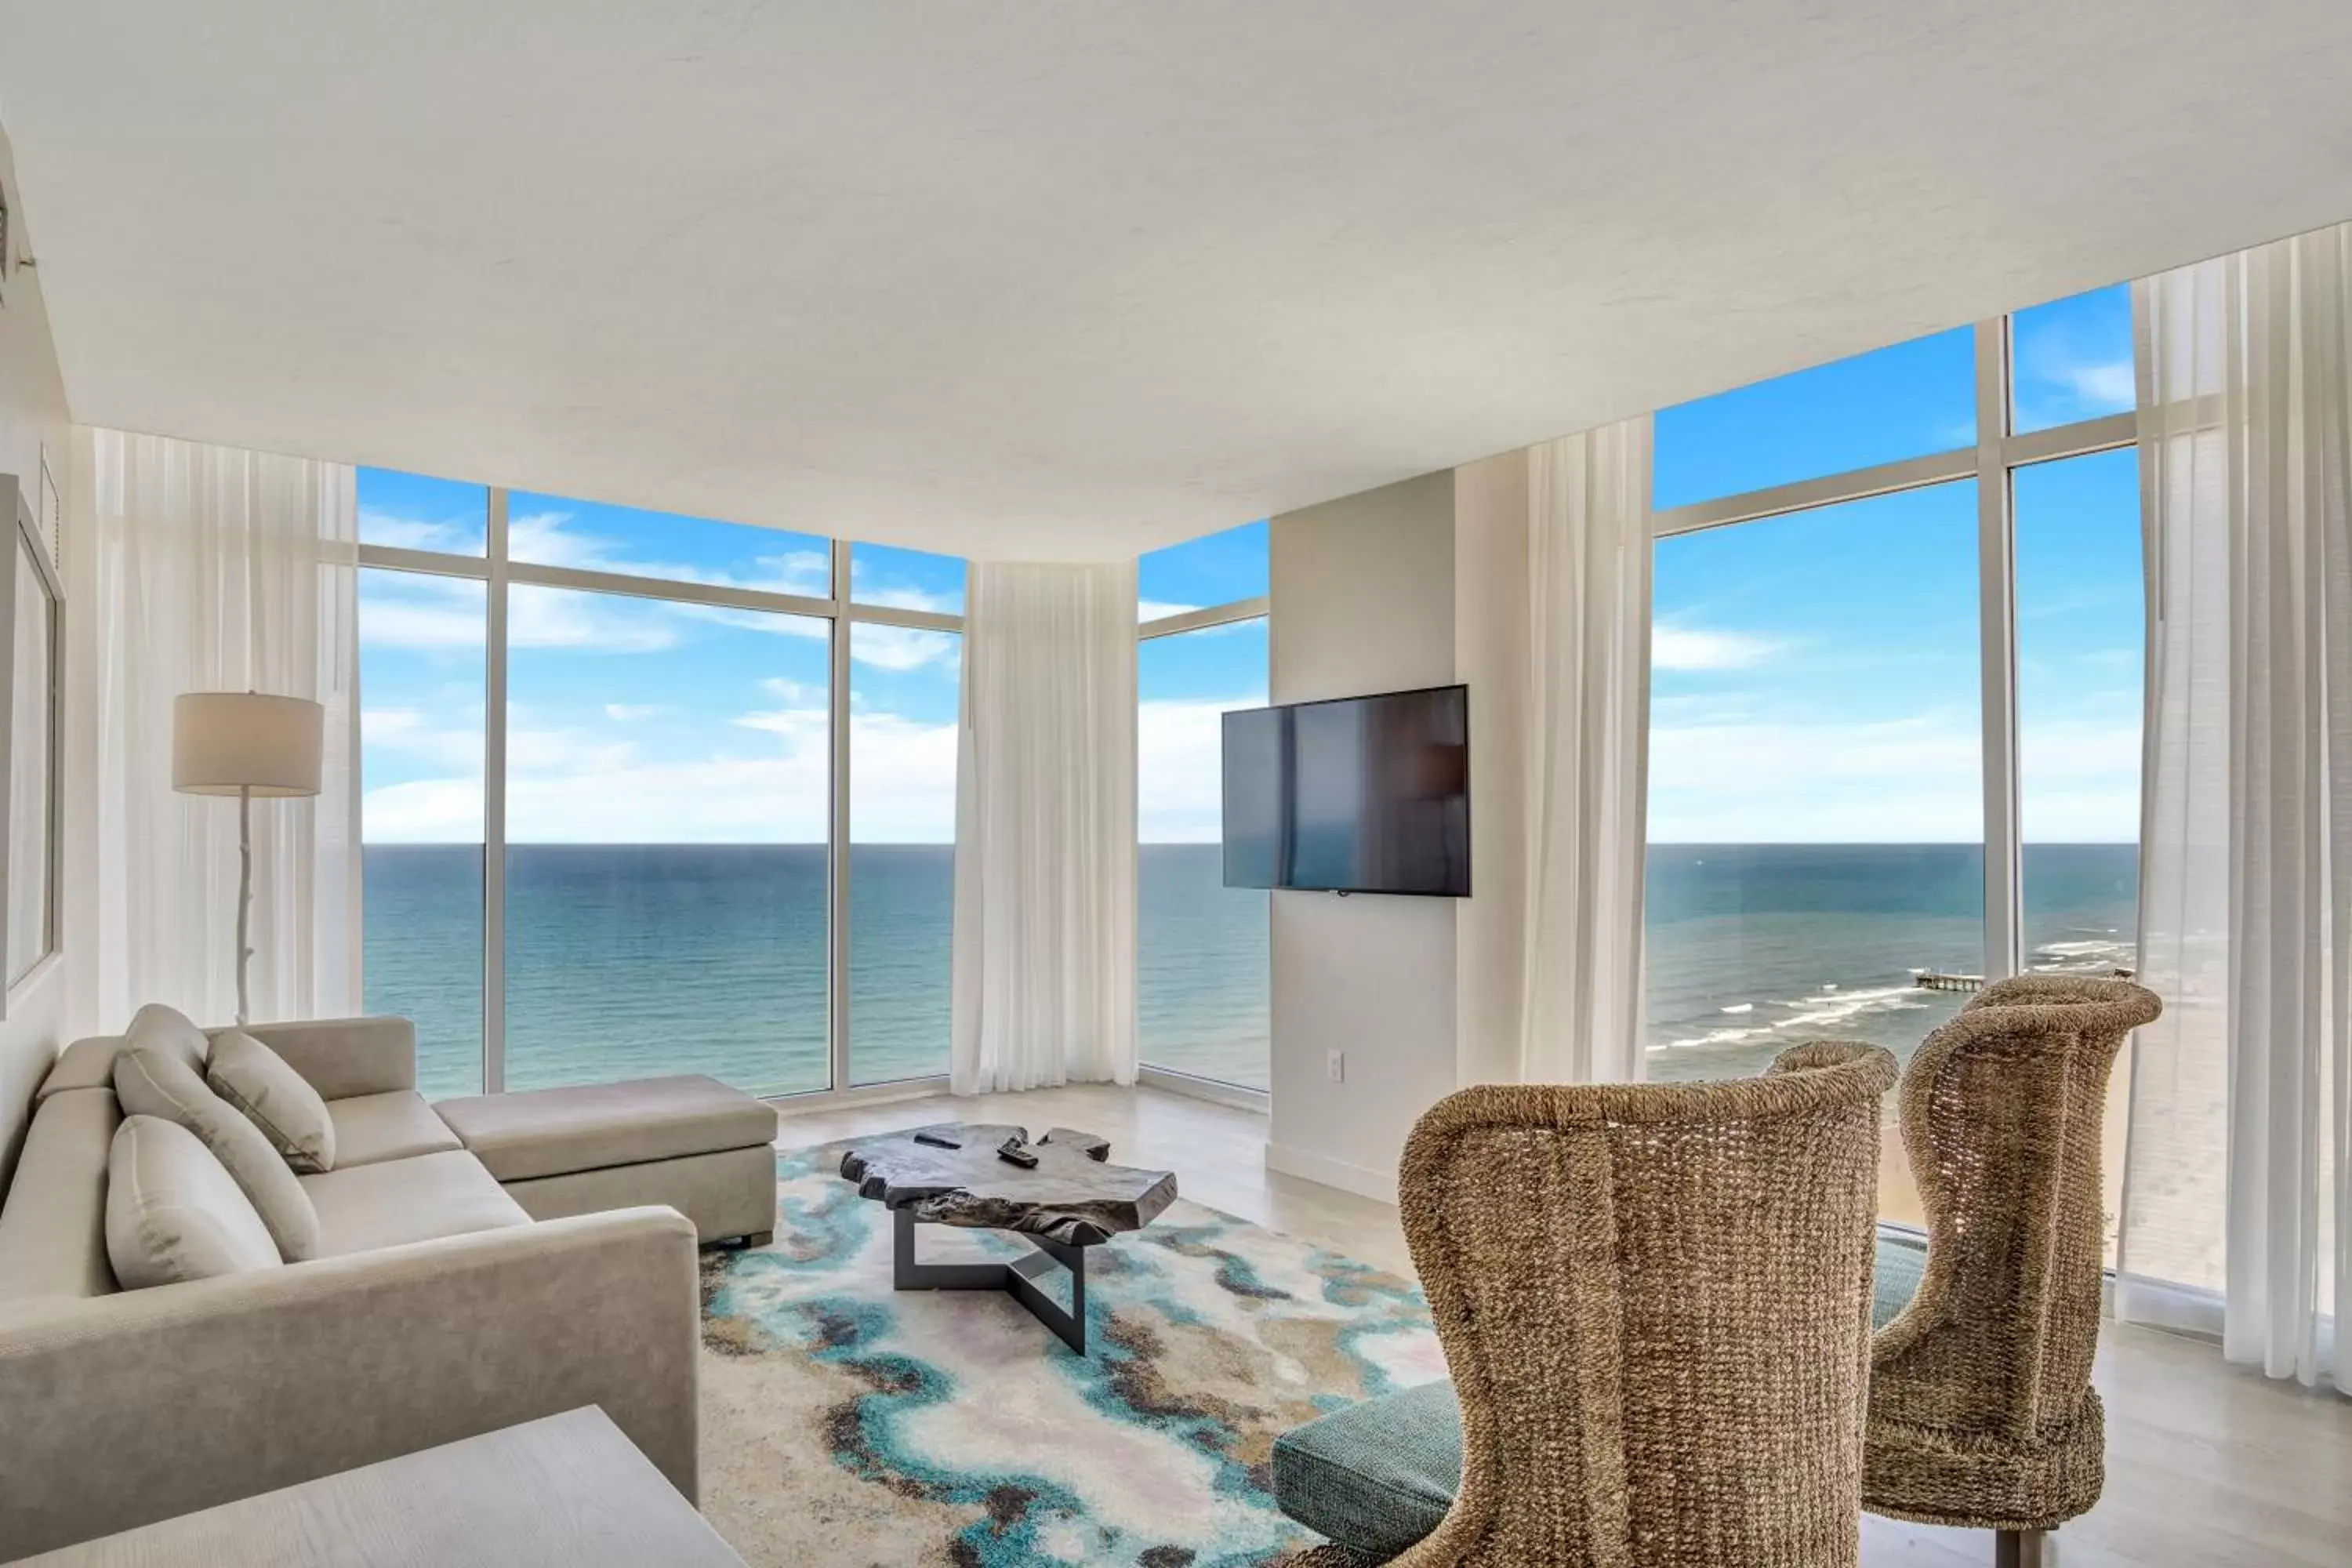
258	1082
173	1212
156	1027
150	1083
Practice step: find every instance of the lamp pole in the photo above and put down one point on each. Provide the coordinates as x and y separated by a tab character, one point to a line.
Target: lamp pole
244	900
244	744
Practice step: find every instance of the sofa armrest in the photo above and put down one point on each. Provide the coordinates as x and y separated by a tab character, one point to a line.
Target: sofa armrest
343	1057
151	1404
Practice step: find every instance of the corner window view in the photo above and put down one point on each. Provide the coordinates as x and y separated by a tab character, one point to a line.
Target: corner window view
1049	786
1818	774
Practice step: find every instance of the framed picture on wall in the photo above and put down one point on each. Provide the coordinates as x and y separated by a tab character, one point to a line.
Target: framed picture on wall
31	606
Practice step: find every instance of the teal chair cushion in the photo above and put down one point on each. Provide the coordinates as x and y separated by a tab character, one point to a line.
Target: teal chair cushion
1377	1476
1902	1258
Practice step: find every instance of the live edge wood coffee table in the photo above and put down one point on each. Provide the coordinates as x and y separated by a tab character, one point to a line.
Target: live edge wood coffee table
1073	1199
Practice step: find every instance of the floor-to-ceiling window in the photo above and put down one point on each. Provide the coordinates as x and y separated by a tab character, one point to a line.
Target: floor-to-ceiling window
1202	980
1894	714
610	758
904	694
424	673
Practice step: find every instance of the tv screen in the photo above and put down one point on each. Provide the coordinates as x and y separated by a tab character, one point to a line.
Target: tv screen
1364	794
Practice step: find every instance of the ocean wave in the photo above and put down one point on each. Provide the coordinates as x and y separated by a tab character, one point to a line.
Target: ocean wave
1813	1013
2092	956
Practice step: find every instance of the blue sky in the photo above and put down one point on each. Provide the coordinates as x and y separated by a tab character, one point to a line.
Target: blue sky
633	719
1815	676
637	721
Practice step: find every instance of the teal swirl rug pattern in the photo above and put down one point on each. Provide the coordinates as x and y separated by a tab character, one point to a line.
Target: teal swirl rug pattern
845	1423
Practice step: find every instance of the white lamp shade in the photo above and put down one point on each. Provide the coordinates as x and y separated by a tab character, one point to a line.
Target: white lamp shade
226	742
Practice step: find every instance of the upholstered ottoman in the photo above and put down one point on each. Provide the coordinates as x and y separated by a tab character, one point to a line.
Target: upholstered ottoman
691	1142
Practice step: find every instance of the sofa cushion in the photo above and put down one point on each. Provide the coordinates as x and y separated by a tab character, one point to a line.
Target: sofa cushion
1379	1475
363	1207
587	1127
394	1125
156	1027
155	1083
53	1226
174	1213
90	1063
257	1081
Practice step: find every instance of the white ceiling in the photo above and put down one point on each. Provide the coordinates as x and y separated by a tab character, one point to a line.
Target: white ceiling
1077	279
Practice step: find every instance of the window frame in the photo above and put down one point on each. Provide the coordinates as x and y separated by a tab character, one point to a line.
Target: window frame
496	569
31	543
1999	452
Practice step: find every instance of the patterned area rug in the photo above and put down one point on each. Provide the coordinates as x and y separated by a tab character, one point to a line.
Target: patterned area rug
845	1423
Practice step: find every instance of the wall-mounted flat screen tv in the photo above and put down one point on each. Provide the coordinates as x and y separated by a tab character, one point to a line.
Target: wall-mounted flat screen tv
1363	795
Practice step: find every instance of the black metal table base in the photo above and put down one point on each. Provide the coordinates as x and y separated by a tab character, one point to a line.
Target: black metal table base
1017	1279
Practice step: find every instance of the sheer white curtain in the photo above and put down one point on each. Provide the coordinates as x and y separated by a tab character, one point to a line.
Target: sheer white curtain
206	568
2246	452
1586	733
1044	989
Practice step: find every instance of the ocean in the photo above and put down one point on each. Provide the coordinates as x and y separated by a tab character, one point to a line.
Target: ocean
626	961
1750	948
632	960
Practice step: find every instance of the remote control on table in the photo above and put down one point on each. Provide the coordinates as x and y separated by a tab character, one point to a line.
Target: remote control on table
1013	1153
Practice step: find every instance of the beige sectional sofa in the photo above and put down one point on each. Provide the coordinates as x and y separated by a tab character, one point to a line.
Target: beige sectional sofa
436	1308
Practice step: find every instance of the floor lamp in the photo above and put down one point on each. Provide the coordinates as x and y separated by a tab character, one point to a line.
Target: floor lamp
249	745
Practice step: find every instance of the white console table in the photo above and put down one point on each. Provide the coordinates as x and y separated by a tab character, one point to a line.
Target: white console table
567	1490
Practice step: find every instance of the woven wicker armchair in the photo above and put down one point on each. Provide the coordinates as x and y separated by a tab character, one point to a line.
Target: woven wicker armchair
1981	1409
1654	1301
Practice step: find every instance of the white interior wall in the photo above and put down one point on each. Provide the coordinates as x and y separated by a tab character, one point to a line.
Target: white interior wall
32	420
1416	583
1363	601
1490	624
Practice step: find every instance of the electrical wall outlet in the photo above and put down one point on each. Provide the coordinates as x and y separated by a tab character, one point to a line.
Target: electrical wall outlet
1336	1065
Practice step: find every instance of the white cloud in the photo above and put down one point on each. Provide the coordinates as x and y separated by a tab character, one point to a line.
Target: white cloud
1690	648
902	649
905	780
2103	385
419	611
545	539
424	811
1180	778
1902	781
565	786
630	712
796	722
422	613
799	693
560	617
418	533
1915	780
902	598
412	732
